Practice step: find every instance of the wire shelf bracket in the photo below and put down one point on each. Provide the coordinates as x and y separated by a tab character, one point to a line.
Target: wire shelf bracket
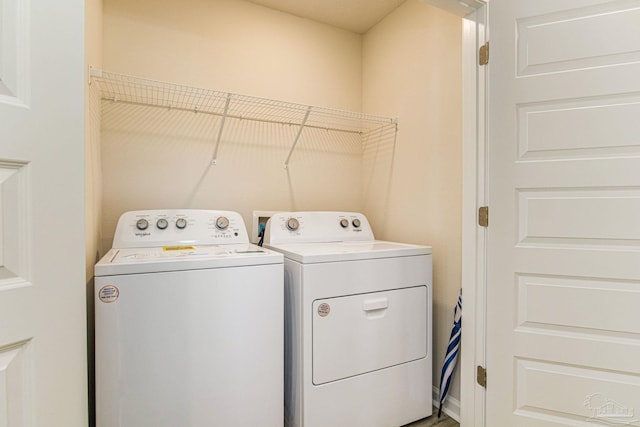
224	117
295	141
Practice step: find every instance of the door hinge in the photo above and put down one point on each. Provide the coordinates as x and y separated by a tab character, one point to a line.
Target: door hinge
481	376
483	216
484	54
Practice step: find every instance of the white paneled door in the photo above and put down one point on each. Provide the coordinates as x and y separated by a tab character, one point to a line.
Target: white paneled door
563	281
42	284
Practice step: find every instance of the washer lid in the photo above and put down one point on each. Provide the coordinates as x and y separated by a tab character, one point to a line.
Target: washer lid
309	253
178	258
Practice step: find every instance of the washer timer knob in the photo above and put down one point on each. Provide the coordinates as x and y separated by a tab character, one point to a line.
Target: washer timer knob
293	224
142	224
356	223
344	223
181	223
162	223
222	222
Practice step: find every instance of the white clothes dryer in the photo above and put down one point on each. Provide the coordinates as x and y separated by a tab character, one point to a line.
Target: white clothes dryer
188	324
357	322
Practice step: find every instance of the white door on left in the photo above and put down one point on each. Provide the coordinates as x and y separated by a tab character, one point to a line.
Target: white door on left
42	285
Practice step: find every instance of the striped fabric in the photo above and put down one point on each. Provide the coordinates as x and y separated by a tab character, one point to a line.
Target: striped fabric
452	353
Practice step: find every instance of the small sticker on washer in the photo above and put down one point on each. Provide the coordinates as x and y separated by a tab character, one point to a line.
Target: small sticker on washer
178	248
108	293
324	309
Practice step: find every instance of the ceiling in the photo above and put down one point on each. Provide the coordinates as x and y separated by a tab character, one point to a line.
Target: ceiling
357	16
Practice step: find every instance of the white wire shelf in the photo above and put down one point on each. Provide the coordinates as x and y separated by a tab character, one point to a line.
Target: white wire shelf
141	91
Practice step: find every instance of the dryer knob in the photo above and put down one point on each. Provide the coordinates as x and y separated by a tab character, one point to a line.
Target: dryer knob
293	224
162	223
344	223
222	222
356	223
181	223
142	224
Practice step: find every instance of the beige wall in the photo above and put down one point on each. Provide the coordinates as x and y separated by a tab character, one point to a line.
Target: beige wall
234	46
412	69
161	159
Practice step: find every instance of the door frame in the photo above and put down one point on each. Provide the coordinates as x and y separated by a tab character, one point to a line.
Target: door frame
475	31
474	195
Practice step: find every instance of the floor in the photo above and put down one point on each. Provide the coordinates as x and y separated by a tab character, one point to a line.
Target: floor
443	421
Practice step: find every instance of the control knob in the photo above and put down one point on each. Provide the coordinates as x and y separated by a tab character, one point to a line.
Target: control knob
293	224
356	223
162	223
344	223
181	223
142	224
222	222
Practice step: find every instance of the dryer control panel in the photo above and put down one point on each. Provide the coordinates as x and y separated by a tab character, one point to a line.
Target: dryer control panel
175	227
317	227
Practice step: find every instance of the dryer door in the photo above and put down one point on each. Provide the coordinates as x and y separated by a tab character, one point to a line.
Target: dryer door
356	334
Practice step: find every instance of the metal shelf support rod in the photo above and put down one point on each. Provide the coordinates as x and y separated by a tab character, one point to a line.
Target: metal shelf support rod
295	141
224	116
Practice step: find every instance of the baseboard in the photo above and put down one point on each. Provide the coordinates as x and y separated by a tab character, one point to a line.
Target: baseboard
451	405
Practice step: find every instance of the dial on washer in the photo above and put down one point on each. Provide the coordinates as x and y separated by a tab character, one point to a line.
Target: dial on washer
181	223
142	224
356	223
293	224
222	222
344	223
162	223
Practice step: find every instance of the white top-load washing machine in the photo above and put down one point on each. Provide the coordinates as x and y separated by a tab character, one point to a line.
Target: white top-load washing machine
188	324
357	322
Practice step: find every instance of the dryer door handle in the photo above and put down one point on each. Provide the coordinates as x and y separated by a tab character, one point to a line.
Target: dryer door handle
375	304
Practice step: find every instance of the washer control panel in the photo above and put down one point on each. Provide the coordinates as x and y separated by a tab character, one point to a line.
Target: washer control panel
318	227
153	228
